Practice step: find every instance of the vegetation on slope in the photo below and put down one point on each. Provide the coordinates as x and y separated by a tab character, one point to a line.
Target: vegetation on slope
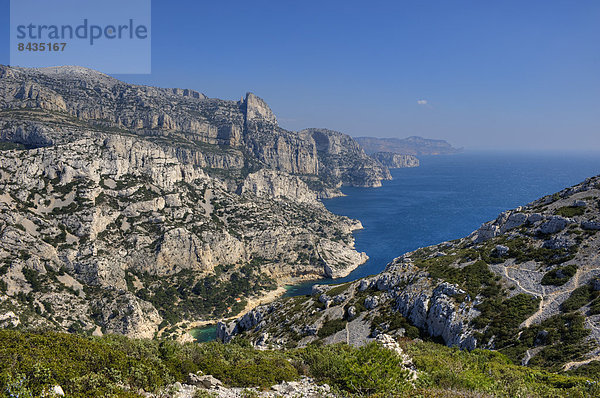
120	367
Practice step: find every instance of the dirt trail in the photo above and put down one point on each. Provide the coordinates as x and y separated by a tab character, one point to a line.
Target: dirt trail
576	364
551	298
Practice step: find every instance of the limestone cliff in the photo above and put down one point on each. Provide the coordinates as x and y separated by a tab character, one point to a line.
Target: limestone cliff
408	146
236	136
132	209
395	160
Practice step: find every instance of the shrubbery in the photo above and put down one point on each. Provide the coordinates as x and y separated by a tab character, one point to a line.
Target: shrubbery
106	366
367	370
570	211
579	297
504	317
559	276
331	327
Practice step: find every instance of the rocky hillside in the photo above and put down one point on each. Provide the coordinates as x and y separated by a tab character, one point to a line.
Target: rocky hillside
211	133
407	146
526	284
395	160
135	210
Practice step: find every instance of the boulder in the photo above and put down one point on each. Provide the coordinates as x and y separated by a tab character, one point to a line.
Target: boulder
501	250
57	391
351	312
210	382
554	225
371	302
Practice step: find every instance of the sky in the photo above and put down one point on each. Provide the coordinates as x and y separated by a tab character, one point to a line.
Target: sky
480	74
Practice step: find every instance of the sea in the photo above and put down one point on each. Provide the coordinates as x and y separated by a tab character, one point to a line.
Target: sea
447	197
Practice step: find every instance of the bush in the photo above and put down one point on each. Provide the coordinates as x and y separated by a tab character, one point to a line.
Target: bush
578	298
338	289
395	321
243	366
570	211
503	317
367	370
450	372
331	327
563	337
559	276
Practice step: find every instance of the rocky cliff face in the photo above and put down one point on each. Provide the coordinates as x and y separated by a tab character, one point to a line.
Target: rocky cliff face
395	161
240	135
526	284
129	209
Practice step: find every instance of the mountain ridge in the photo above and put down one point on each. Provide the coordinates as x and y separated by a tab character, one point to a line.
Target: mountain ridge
413	145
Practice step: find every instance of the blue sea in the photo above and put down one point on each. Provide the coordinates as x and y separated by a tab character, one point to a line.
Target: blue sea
448	197
445	198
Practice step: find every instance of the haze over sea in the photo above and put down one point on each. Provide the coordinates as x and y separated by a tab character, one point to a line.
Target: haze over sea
448	197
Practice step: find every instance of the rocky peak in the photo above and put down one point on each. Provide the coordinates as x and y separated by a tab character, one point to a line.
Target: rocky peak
256	109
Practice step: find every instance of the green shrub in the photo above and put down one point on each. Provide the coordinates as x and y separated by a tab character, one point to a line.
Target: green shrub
563	337
450	372
395	321
503	317
331	327
570	211
338	289
366	371
578	298
243	366
559	276
114	366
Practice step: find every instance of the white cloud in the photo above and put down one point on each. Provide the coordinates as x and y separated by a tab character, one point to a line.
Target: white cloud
422	102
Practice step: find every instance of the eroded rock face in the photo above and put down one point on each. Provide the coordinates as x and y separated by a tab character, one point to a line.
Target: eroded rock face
121	312
128	200
395	160
69	96
274	184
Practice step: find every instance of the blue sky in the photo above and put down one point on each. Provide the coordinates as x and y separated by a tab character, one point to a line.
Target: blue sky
481	74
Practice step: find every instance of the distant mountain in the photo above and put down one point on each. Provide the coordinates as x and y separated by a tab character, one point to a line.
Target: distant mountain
407	146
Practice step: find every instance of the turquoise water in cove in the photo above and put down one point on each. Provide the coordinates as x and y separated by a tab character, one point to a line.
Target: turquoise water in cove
205	333
445	198
448	197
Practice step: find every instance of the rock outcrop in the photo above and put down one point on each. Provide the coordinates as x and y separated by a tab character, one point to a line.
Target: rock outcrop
209	133
395	160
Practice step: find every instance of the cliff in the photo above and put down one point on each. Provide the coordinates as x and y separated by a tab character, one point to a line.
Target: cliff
394	160
236	136
133	209
525	284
